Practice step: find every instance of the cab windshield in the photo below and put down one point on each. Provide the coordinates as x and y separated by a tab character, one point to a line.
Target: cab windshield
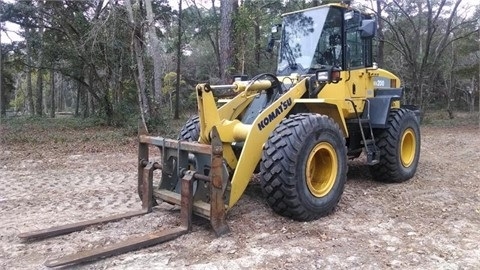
310	39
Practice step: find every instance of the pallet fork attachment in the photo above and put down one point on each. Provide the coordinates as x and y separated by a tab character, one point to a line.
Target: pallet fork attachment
215	210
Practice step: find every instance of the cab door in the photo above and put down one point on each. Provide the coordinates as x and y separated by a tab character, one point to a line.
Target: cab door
356	51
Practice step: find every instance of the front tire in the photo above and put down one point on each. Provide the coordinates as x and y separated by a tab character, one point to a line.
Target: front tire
304	167
399	147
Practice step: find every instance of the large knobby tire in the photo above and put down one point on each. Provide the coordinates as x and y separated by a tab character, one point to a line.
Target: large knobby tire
190	132
304	167
399	147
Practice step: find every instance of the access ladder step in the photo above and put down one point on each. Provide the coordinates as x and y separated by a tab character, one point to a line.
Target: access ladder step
372	159
363	121
372	151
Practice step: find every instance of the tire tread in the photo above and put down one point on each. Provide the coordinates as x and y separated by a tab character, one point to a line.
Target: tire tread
388	169
278	165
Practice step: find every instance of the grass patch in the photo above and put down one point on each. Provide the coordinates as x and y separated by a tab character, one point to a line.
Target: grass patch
56	132
441	118
76	134
72	132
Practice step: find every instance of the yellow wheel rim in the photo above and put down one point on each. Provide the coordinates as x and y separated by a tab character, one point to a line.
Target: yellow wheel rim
321	169
408	147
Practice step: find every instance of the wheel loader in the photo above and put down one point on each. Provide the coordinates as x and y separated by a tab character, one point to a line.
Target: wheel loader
327	103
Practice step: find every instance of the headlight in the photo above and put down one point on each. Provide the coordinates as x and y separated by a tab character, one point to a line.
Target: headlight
322	76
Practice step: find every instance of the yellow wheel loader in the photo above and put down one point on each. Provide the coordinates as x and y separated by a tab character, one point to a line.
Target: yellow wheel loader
327	103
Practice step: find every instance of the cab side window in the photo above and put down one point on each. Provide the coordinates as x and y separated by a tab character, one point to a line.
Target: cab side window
354	43
329	47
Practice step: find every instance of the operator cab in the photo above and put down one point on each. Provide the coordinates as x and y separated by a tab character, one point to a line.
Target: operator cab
325	38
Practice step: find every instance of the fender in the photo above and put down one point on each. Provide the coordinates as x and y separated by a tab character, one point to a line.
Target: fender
381	104
330	107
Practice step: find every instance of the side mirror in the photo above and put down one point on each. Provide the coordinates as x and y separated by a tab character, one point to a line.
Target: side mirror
273	37
368	29
276	28
349	15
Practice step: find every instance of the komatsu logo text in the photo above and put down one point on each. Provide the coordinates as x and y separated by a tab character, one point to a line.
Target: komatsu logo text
282	107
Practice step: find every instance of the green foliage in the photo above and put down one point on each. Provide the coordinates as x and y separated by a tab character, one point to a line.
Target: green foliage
200	65
170	82
251	21
125	115
90	48
18	101
187	97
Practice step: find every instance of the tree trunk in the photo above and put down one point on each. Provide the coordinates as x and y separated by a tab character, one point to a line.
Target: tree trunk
61	96
77	100
137	39
179	60
108	109
52	94
381	41
451	83
155	52
90	98
227	11
39	93
3	103
117	80
93	107
215	41
85	109
39	90
31	104
258	45
3	111
471	97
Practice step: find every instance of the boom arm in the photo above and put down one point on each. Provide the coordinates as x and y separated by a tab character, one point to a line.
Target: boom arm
231	130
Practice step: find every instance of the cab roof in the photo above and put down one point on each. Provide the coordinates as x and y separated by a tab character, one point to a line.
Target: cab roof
341	5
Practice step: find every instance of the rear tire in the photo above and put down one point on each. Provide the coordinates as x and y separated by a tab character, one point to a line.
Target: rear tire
399	147
304	167
190	132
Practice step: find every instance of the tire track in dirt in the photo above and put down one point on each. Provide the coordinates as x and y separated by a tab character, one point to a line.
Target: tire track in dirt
429	222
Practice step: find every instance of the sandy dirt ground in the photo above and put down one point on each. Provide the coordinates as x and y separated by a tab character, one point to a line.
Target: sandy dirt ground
429	222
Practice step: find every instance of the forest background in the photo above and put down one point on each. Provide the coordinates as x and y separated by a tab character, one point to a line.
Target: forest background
118	60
